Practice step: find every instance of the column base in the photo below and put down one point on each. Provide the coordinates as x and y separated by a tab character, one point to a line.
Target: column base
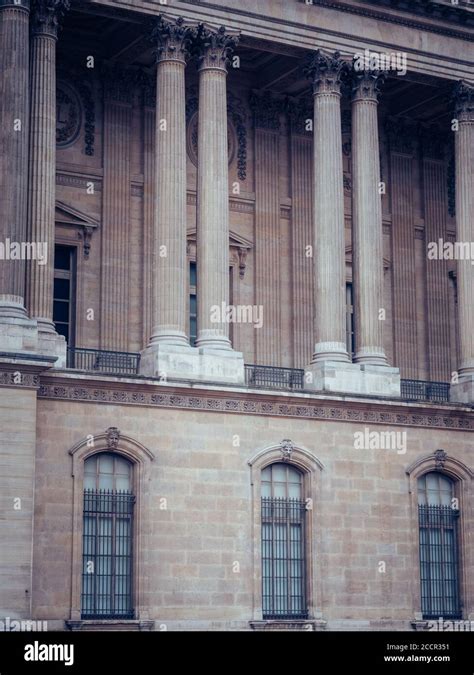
463	391
18	334
173	362
352	378
52	344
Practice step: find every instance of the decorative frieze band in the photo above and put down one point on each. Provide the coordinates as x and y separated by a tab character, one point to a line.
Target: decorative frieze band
254	404
19	379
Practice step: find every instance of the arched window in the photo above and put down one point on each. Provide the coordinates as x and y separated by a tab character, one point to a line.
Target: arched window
283	543
107	538
439	548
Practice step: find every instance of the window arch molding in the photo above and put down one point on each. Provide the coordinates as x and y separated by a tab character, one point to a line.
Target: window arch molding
114	442
463	478
307	463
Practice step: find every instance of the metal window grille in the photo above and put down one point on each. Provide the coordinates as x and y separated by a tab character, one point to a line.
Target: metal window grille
107	555
283	558
439	562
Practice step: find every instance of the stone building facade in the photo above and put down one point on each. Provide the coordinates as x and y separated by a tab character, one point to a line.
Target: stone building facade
236	314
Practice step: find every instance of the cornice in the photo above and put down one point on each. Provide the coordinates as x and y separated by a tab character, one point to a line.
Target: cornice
368	12
382	15
212	398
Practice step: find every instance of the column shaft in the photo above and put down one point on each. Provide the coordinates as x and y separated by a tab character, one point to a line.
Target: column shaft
464	153
328	241
115	286
367	234
403	247
46	15
213	191
42	176
14	117
170	205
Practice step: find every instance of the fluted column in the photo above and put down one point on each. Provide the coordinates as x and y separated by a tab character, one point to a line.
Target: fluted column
301	229
435	203
367	234
213	198
267	112
46	15
328	212
401	143
14	114
170	274
464	153
116	208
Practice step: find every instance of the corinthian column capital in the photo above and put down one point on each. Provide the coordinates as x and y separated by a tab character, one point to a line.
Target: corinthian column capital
171	39
367	84
214	47
463	98
46	16
326	72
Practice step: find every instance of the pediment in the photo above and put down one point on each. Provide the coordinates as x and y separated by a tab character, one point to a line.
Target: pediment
386	261
65	214
236	240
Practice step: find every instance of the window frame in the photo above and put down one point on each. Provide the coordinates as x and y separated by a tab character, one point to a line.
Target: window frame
113	518
304	526
454	494
463	477
141	458
311	468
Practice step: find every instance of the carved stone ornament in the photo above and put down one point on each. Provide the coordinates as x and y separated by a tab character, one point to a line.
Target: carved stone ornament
367	84
326	72
118	83
171	39
68	115
300	112
463	99
213	48
147	83
46	16
400	134
286	447
113	437
266	110
440	458
236	131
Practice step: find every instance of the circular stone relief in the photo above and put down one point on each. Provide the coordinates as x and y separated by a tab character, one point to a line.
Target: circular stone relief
192	139
68	115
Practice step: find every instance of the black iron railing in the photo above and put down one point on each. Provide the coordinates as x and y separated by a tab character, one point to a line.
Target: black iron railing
101	361
273	378
419	390
259	377
283	558
439	561
107	555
